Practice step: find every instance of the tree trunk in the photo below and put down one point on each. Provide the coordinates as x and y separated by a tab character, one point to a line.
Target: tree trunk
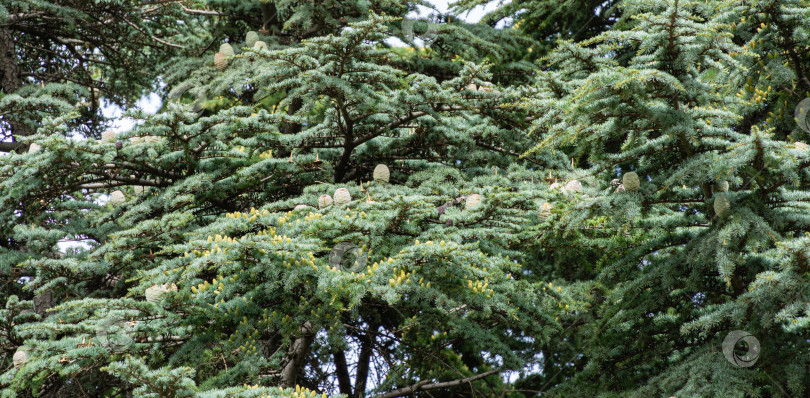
298	352
10	81
342	371
9	70
364	361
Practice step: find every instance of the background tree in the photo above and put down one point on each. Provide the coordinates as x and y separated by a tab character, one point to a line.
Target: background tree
548	21
700	108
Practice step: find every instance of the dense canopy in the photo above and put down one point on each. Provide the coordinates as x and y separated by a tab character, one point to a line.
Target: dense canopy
337	197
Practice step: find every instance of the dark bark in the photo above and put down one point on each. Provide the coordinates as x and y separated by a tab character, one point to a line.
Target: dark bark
11	146
9	70
342	370
342	166
364	361
296	355
295	106
10	81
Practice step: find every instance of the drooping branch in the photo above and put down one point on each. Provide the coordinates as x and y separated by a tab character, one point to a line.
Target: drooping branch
201	12
423	385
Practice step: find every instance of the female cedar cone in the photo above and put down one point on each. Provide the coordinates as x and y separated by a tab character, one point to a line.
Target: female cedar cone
117	198
108	137
381	173
472	201
630	181
226	50
573	186
721	205
324	201
342	196
251	38
20	358
220	62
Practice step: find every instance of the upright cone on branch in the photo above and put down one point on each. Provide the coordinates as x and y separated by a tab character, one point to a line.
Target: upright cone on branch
20	357
630	181
226	50
472	201
324	201
117	198
251	38
220	61
545	211
573	186
108	137
721	186
381	173
342	196
260	45
155	293
721	205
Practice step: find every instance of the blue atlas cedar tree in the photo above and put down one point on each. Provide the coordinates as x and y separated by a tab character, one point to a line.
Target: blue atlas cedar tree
326	214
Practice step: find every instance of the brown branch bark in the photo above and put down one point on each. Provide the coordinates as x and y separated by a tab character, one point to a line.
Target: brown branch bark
423	385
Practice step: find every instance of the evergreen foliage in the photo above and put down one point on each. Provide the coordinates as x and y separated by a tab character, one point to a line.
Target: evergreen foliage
584	205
